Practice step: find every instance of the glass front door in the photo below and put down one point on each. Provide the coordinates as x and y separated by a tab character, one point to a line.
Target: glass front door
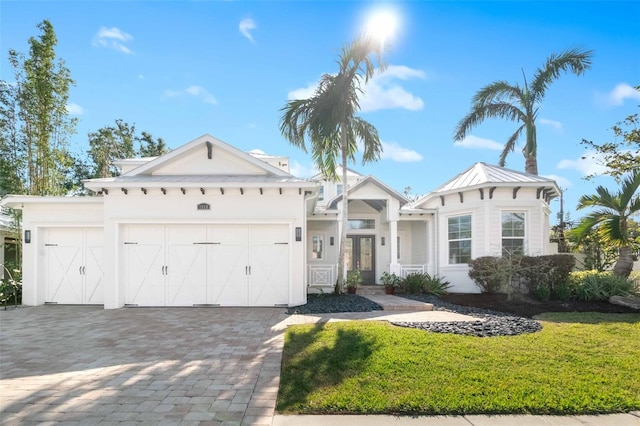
360	256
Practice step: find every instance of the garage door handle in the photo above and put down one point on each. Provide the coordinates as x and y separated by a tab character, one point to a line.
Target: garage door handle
249	270
281	244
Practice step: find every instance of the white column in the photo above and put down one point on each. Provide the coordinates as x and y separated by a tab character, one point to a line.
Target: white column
394	266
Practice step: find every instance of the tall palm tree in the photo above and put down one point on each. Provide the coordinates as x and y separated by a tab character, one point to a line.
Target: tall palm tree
328	121
501	99
610	219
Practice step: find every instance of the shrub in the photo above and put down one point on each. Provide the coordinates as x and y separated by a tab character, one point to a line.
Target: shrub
489	273
594	285
412	283
424	283
391	280
546	277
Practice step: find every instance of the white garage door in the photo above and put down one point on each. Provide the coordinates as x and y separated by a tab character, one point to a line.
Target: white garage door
73	265
186	265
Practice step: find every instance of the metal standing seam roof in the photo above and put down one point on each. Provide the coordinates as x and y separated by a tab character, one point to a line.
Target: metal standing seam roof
181	179
481	173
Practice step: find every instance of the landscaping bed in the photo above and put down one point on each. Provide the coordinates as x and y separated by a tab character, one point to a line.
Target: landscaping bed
332	303
529	308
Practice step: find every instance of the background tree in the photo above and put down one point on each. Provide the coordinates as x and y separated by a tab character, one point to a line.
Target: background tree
328	120
12	154
623	154
111	143
40	123
150	147
513	102
610	219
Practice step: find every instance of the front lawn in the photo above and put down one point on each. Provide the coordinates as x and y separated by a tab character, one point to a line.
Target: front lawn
580	363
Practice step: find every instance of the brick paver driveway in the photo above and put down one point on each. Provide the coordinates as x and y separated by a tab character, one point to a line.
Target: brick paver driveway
153	365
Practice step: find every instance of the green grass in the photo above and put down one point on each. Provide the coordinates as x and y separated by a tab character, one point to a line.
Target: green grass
580	363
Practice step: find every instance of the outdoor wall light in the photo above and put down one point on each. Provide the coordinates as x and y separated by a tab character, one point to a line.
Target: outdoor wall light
330	241
27	236
382	240
298	233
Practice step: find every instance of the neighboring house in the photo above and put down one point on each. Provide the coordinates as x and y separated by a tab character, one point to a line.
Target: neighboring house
209	225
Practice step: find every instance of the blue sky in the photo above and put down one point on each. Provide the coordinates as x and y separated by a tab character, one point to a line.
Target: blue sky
179	69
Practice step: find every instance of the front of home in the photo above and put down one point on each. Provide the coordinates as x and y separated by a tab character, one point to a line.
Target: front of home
210	225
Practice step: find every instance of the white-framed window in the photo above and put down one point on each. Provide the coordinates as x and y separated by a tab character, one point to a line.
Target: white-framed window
317	247
321	193
361	224
513	233
459	236
339	189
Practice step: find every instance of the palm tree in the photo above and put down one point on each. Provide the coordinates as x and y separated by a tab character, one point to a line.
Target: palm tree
611	217
521	104
328	121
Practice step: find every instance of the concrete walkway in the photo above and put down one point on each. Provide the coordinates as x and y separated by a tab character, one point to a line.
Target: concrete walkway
395	303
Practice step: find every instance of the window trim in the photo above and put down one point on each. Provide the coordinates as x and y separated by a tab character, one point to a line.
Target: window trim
524	213
323	250
449	240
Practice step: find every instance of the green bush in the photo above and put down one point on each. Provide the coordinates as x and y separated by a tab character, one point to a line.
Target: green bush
593	285
490	273
424	283
546	277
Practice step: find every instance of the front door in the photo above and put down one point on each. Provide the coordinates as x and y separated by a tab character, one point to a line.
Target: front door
360	256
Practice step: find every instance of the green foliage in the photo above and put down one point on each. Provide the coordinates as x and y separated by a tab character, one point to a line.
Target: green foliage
594	285
354	279
580	363
391	280
417	282
546	276
623	154
35	123
609	219
11	288
520	103
489	273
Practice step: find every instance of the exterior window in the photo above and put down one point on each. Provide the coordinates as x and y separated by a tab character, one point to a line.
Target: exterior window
512	233
362	224
321	193
317	247
459	239
339	189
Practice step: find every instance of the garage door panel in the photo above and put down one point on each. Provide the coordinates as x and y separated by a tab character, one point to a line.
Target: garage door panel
269	275
187	274
64	282
93	271
228	275
145	278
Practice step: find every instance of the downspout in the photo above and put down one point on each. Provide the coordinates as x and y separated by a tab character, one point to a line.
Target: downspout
436	227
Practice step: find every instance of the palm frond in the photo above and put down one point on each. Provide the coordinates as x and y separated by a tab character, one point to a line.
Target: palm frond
368	135
481	113
510	146
498	92
630	185
575	60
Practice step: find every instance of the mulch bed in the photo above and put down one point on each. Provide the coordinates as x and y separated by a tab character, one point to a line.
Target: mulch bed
530	308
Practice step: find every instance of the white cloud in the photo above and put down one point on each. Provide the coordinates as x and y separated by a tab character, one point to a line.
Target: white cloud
551	123
587	164
381	92
562	182
300	170
474	142
195	91
622	92
394	152
74	109
246	25
113	38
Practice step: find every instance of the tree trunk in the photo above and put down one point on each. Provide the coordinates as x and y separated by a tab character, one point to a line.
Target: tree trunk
624	265
531	165
342	273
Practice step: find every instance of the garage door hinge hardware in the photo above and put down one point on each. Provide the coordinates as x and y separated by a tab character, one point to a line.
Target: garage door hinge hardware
51	245
130	242
284	244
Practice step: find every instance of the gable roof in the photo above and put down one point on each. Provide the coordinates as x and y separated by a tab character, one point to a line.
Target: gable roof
350	173
332	204
481	175
235	167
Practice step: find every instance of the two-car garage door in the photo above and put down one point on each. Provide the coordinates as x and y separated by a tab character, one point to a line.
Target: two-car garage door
187	265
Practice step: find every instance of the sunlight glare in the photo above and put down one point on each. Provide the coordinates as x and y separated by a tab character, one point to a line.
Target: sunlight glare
382	25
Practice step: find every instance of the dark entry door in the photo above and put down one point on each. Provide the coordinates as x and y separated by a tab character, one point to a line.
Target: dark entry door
360	255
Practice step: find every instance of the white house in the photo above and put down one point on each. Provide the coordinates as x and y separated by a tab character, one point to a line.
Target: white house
210	225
